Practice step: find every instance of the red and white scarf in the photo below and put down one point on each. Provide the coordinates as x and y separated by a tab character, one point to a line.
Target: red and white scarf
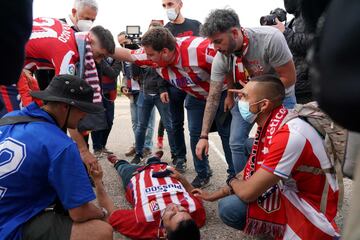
87	66
239	71
266	216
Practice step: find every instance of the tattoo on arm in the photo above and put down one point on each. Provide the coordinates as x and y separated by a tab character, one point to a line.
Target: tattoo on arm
212	104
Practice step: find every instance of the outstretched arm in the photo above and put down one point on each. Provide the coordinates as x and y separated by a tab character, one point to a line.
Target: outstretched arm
101	194
123	54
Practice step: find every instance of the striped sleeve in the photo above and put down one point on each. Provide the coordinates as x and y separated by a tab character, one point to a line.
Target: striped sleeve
284	152
140	58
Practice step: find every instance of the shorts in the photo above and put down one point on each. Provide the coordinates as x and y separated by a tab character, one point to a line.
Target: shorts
48	225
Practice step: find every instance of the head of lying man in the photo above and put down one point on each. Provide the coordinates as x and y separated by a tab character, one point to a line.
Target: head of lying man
178	224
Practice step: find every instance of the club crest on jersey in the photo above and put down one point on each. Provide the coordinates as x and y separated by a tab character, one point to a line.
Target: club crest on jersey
71	69
154	206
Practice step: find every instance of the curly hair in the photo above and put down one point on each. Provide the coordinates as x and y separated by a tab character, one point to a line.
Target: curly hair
219	21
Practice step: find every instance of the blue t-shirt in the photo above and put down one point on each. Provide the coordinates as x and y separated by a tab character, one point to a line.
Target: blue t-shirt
38	162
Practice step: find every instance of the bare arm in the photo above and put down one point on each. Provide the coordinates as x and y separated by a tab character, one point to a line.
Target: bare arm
287	73
251	189
86	156
122	54
85	212
102	197
213	196
212	104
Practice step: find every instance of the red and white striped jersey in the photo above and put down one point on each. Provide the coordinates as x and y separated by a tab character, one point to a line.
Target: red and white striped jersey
149	196
191	70
52	45
298	144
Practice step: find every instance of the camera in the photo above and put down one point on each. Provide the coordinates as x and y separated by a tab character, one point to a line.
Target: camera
269	20
133	34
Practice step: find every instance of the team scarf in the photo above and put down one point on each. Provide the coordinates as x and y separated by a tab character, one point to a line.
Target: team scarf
240	73
87	67
266	215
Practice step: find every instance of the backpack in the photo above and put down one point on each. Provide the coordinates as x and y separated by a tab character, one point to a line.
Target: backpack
335	143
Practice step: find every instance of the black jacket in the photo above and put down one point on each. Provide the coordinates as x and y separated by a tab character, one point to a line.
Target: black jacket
299	42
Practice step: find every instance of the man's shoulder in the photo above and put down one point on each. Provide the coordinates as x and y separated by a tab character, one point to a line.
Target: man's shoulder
262	34
193	21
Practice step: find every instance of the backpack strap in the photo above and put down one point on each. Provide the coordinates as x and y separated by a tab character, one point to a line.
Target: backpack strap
18	119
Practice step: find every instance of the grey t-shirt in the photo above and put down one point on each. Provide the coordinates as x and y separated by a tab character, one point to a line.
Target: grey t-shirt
267	50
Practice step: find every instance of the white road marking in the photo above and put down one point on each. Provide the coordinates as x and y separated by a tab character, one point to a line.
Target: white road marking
217	151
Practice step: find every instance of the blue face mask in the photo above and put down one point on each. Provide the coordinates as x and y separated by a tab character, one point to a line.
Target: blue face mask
244	109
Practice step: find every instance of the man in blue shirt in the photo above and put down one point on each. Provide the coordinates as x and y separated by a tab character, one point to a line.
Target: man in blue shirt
39	163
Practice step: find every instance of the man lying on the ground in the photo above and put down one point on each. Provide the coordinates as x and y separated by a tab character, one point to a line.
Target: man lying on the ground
163	207
304	204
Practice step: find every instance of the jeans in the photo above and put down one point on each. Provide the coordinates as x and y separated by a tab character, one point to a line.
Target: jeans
134	121
146	105
126	170
177	98
240	130
99	138
232	211
195	110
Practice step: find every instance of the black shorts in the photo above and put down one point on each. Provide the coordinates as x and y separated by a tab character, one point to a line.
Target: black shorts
48	225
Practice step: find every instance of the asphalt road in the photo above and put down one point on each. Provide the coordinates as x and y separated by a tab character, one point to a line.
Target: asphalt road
121	137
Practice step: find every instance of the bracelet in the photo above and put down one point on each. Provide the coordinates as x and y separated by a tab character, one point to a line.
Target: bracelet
105	213
229	180
204	137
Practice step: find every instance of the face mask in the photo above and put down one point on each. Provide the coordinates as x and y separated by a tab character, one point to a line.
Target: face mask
171	14
244	109
84	25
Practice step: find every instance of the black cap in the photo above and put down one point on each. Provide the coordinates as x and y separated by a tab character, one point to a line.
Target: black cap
71	90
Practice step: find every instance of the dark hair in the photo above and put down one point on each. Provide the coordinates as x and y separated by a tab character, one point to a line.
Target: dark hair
185	230
159	38
274	89
122	33
105	37
219	21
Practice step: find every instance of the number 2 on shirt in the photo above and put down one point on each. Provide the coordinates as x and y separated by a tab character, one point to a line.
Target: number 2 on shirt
12	155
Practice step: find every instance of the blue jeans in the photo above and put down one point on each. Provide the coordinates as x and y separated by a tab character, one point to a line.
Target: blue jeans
240	130
134	121
232	211
177	98
195	110
146	105
99	138
126	170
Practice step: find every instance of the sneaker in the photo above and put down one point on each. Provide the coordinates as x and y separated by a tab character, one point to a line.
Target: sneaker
106	151
146	152
131	151
200	182
160	143
137	159
97	153
180	166
159	154
173	159
112	159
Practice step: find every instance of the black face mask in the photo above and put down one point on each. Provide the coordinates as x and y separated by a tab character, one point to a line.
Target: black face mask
292	6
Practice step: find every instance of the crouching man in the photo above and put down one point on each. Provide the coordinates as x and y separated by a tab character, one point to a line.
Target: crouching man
283	191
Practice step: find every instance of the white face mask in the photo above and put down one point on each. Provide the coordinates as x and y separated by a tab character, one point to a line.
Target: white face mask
84	25
171	14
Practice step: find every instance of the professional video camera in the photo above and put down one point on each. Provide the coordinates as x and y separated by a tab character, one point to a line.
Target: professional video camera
133	34
278	13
